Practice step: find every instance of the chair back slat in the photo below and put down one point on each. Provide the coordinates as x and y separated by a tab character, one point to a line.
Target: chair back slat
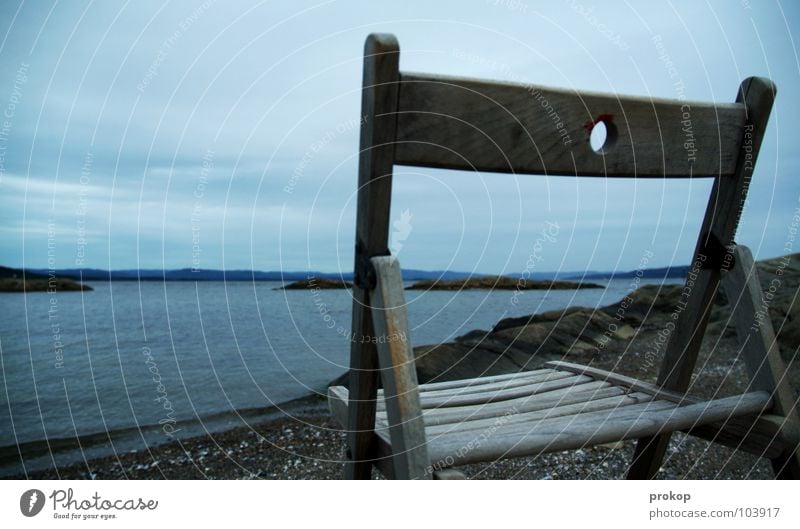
458	123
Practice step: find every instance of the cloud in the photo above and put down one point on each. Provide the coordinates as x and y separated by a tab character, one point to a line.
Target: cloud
272	91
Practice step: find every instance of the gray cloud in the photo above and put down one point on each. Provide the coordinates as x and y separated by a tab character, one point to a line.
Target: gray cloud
234	126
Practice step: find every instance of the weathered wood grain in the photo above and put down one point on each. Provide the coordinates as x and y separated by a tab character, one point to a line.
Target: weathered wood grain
576	431
495	386
459	123
761	435
471	382
445	401
756	435
399	374
378	106
515	417
720	222
624	382
760	350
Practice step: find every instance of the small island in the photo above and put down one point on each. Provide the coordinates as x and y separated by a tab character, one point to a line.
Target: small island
498	283
15	280
316	282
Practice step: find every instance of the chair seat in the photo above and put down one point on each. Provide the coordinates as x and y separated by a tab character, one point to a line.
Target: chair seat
564	406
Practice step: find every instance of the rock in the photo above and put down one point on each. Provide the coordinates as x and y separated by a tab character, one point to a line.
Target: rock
551	315
471	336
456	361
527	342
497	283
58	284
316	283
575	330
649	304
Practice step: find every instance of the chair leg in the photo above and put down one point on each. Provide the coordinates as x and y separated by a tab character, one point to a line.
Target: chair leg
378	106
717	232
648	456
762	358
396	359
363	393
787	466
761	352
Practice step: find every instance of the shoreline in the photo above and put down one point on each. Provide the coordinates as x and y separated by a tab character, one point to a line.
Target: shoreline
307	444
301	441
220	423
298	440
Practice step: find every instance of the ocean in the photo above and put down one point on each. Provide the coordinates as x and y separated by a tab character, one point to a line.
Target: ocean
134	364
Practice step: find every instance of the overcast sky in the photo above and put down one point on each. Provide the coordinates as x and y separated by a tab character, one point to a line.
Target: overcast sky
135	131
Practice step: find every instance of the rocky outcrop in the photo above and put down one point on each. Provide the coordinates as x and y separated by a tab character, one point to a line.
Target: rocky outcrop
517	344
586	334
316	283
58	284
498	283
615	336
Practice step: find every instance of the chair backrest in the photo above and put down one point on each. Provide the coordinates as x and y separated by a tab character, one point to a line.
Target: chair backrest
514	128
446	122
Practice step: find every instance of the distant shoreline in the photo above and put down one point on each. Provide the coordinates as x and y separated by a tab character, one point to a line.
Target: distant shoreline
409	274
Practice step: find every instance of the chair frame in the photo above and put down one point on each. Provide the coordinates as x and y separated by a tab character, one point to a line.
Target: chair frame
427	120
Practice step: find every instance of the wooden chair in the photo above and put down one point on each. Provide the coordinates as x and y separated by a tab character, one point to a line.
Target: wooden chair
409	430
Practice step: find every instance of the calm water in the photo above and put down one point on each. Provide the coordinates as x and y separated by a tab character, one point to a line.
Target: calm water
143	360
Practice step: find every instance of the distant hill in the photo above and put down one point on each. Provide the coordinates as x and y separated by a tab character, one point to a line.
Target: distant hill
14	273
188	274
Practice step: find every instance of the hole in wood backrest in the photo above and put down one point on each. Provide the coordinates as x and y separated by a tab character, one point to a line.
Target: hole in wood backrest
602	134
